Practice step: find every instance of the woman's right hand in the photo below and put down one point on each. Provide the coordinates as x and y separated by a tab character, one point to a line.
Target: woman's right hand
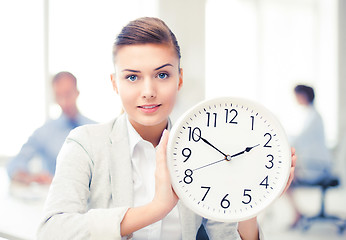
165	198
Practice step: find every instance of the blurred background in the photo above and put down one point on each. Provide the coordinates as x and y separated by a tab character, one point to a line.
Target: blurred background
258	49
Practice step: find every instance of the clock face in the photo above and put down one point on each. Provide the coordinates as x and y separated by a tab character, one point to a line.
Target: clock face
228	158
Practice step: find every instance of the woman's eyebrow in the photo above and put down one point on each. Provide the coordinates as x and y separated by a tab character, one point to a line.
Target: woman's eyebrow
165	65
130	70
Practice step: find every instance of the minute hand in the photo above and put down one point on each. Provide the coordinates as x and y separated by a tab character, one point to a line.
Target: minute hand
207	142
248	149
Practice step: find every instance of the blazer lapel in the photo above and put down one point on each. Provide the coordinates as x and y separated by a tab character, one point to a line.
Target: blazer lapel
120	164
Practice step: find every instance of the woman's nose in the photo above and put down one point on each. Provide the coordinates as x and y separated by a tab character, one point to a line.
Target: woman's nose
149	89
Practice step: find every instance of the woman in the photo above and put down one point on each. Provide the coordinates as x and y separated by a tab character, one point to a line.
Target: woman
107	184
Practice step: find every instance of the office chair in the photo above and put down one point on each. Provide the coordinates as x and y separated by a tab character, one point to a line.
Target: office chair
322	216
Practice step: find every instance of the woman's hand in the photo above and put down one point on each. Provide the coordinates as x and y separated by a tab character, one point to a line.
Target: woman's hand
164	200
293	165
165	196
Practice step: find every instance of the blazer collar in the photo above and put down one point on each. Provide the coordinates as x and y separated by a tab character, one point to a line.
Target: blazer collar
120	164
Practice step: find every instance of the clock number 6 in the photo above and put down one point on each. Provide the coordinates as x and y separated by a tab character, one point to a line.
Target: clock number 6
188	176
195	134
225	203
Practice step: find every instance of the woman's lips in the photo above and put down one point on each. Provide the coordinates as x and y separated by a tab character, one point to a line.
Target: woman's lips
149	108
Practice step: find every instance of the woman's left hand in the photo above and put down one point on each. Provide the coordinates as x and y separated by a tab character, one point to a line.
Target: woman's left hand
293	165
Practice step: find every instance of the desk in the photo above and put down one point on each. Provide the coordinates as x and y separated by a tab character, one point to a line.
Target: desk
21	208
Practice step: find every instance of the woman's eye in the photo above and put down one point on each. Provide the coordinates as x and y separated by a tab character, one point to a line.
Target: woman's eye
132	78
162	75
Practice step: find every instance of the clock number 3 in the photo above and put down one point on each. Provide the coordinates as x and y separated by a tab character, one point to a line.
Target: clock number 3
271	161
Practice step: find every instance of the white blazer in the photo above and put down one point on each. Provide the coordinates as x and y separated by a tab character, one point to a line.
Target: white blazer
93	188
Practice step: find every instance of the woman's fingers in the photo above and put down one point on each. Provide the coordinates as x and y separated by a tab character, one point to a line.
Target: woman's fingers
293	156
161	149
164	191
293	165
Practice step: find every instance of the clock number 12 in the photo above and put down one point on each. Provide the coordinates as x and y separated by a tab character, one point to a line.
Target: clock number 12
232	112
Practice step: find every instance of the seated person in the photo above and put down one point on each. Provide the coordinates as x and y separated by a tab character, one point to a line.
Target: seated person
46	141
314	163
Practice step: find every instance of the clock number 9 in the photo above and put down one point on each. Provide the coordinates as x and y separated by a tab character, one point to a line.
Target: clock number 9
195	134
188	176
187	155
225	203
230	112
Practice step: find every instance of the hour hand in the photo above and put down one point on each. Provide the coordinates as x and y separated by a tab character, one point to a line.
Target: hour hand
248	149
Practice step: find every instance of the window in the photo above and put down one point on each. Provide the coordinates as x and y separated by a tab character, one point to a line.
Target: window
79	39
262	49
22	86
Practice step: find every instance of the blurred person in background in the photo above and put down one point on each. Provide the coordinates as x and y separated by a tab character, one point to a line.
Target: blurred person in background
45	143
314	163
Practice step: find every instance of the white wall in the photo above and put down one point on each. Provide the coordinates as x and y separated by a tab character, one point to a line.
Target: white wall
187	20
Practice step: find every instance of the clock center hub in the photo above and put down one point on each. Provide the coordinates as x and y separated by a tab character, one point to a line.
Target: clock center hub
228	157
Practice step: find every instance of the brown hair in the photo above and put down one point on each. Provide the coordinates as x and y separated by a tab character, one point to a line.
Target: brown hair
146	30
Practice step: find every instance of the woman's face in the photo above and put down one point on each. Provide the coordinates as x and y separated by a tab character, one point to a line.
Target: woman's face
147	78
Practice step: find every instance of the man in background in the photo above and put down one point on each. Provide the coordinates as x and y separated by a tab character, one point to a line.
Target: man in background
45	143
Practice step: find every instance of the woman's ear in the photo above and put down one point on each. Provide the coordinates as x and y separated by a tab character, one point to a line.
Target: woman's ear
114	83
180	84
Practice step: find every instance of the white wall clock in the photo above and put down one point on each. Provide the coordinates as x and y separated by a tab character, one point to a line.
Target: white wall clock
228	158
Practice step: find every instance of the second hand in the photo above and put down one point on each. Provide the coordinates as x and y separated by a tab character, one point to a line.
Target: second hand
209	164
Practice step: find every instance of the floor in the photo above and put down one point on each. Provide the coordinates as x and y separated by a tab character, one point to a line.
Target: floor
276	220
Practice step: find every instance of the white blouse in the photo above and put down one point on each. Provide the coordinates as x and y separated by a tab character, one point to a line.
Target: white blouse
144	164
